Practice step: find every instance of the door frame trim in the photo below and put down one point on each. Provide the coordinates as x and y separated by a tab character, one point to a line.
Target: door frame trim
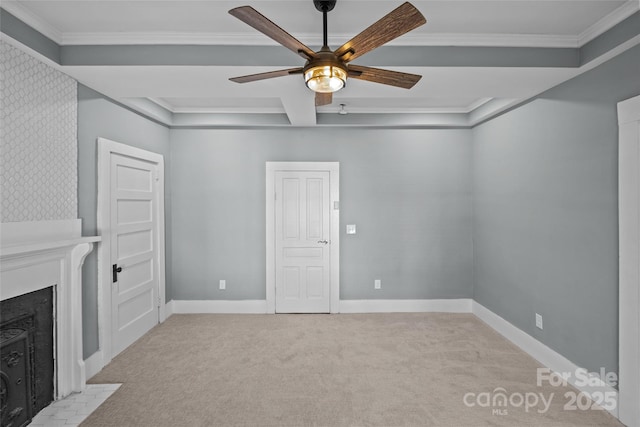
629	258
105	148
334	225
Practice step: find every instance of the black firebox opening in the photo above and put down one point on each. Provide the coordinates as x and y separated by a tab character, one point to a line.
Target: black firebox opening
26	356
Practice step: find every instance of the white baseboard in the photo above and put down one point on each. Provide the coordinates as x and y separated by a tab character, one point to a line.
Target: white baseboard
94	364
545	355
461	305
168	310
219	306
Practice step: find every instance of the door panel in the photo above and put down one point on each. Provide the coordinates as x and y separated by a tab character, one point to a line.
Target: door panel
291	282
133	243
315	276
129	177
291	209
133	211
315	201
138	273
134	240
302	235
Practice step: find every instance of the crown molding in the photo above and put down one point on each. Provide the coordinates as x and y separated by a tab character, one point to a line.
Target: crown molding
23	13
443	39
609	21
216	110
165	38
162	103
487	40
333	109
321	110
228	110
479	103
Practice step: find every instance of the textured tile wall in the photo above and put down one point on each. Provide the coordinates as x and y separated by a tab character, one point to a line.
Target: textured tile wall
38	140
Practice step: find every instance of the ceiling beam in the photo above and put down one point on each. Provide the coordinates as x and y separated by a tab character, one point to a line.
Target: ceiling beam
299	104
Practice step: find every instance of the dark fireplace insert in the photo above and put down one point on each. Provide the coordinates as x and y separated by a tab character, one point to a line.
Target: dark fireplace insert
26	356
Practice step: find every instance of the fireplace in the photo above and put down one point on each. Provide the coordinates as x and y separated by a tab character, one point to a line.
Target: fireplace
41	302
26	356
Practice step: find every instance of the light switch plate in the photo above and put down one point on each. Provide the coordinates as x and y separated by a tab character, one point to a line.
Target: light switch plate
351	229
538	321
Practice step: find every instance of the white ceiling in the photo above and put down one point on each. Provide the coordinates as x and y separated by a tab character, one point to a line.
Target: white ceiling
206	89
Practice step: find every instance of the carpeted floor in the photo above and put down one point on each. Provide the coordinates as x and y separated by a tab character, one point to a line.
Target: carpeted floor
405	369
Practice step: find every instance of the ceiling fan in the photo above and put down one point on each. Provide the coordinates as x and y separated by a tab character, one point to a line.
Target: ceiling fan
326	71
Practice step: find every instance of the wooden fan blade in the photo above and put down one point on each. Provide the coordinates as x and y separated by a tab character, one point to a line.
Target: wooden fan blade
386	77
252	17
396	23
267	75
323	98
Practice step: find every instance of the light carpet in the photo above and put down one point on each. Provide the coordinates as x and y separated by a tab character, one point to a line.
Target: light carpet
398	369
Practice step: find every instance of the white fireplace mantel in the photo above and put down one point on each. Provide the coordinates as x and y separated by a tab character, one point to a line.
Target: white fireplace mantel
36	255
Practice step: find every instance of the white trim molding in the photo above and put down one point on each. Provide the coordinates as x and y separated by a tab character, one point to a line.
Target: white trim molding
168	309
629	246
219	306
20	233
24	14
607	22
313	39
549	358
105	149
460	305
94	364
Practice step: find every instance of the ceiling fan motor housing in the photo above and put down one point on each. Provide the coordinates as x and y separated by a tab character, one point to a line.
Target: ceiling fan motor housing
324	5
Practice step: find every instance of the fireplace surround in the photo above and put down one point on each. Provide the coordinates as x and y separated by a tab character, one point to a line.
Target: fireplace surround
42	254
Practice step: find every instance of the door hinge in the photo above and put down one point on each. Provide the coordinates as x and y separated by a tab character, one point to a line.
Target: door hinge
156	175
159	301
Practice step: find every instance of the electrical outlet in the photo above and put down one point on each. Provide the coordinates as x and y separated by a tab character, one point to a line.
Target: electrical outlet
377	284
538	321
223	285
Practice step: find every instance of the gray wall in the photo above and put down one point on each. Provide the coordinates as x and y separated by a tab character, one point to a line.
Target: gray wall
100	117
546	217
542	223
408	192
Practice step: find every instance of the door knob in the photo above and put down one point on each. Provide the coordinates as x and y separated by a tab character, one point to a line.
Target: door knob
324	242
115	269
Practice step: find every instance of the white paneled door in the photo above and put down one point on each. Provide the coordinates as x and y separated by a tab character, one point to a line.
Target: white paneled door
132	206
302	241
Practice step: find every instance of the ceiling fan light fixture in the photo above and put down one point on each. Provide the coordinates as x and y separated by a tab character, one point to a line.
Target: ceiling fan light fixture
325	78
